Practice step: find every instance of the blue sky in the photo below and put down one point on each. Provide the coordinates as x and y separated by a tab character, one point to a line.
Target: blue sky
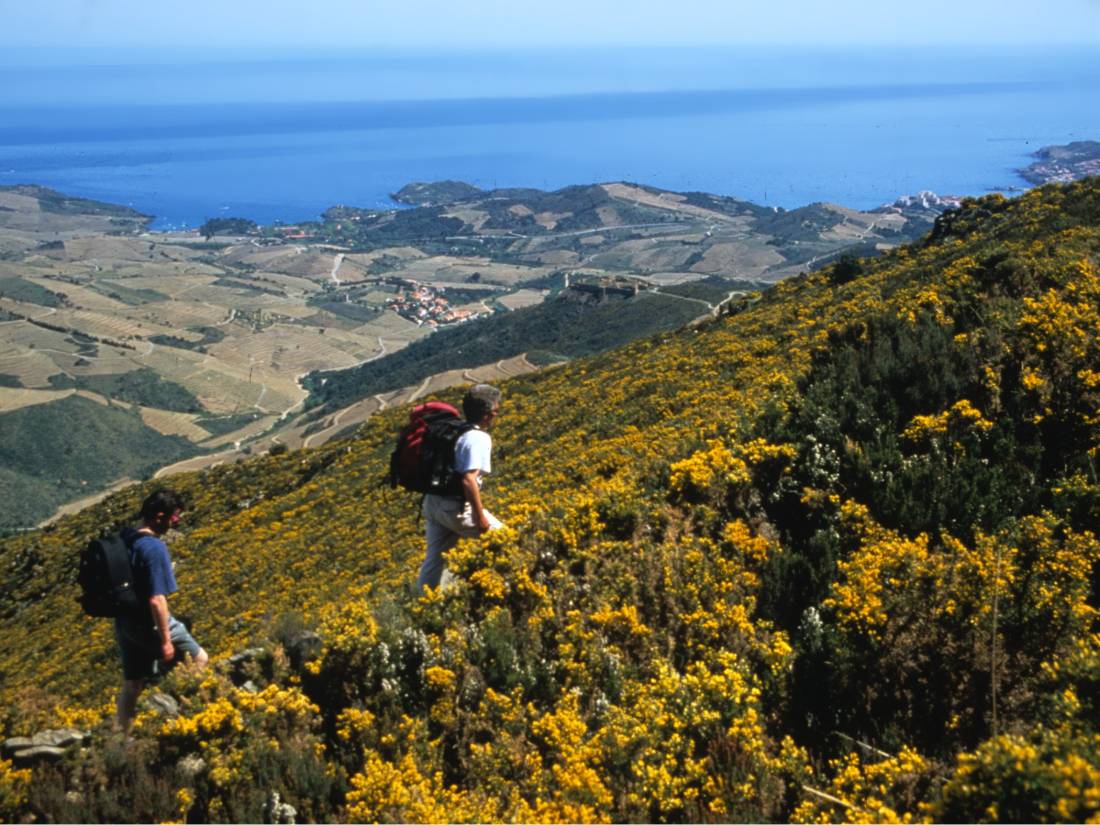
477	24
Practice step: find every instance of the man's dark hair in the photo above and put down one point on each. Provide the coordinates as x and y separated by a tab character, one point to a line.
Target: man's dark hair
478	402
161	501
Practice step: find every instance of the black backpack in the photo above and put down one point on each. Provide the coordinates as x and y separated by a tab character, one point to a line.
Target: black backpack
424	458
106	578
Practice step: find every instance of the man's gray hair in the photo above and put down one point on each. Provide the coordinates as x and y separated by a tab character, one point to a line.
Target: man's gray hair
479	401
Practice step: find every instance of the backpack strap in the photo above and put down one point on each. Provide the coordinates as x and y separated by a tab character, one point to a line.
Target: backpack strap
120	568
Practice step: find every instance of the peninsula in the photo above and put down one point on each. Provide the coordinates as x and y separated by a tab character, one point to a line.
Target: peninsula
1064	164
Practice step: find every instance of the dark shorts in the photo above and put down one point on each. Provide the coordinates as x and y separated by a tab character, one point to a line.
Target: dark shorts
140	647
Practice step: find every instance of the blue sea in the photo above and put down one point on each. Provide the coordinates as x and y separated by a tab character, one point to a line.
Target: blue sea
187	135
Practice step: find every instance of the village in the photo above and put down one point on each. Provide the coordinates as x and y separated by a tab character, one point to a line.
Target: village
426	306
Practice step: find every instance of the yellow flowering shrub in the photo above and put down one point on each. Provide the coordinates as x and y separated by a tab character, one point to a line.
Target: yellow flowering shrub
703	471
887	789
883	565
692	745
240	734
863	507
962	416
399	792
1049	776
13	790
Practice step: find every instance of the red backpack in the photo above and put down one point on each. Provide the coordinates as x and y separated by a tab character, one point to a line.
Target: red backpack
424	458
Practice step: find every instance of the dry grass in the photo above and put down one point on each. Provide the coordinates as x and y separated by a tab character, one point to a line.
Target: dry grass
99	399
103	325
393	326
80	296
308	264
22	214
295	349
738	259
457	270
184	314
663	200
523	298
32	369
174	423
291	283
103	248
476	218
400	253
14	399
256	428
33	311
557	257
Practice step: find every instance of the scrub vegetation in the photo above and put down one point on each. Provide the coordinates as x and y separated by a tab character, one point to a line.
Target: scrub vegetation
830	557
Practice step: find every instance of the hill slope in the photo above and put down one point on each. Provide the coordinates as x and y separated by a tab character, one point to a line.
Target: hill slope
50	453
561	328
625	227
829	557
209	332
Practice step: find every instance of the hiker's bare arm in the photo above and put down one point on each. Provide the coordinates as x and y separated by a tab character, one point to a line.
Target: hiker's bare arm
158	606
473	495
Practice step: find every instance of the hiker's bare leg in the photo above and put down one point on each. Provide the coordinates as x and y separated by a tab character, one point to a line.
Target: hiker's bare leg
126	706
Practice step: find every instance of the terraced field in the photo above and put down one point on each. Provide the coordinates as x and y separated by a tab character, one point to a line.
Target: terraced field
237	339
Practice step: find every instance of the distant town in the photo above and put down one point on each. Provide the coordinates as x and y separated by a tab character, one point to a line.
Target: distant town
1064	164
428	307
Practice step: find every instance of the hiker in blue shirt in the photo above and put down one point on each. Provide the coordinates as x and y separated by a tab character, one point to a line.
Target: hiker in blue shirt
150	640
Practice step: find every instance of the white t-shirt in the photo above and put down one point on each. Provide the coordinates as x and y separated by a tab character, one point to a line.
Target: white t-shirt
473	452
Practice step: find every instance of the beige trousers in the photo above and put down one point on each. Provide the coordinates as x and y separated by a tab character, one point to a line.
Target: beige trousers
446	520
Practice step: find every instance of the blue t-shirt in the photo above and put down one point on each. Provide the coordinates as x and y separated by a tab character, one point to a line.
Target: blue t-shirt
152	565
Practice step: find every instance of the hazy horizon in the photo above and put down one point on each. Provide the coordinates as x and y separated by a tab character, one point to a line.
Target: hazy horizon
183	76
443	23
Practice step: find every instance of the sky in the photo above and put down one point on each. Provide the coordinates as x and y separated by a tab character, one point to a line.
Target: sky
479	24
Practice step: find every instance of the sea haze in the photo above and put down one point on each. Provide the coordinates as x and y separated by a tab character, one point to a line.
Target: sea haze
277	137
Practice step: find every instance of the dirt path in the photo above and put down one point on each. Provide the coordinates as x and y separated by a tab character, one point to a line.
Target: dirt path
335	422
337	260
87	501
200	462
422	388
733	294
707	304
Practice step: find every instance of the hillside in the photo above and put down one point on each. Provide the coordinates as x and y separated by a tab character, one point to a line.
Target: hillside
208	333
829	557
622	227
44	211
55	452
554	330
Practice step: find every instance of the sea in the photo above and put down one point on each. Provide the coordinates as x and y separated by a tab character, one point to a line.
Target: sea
279	136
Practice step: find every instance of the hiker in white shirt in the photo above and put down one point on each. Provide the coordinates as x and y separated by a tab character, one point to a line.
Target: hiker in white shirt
449	518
